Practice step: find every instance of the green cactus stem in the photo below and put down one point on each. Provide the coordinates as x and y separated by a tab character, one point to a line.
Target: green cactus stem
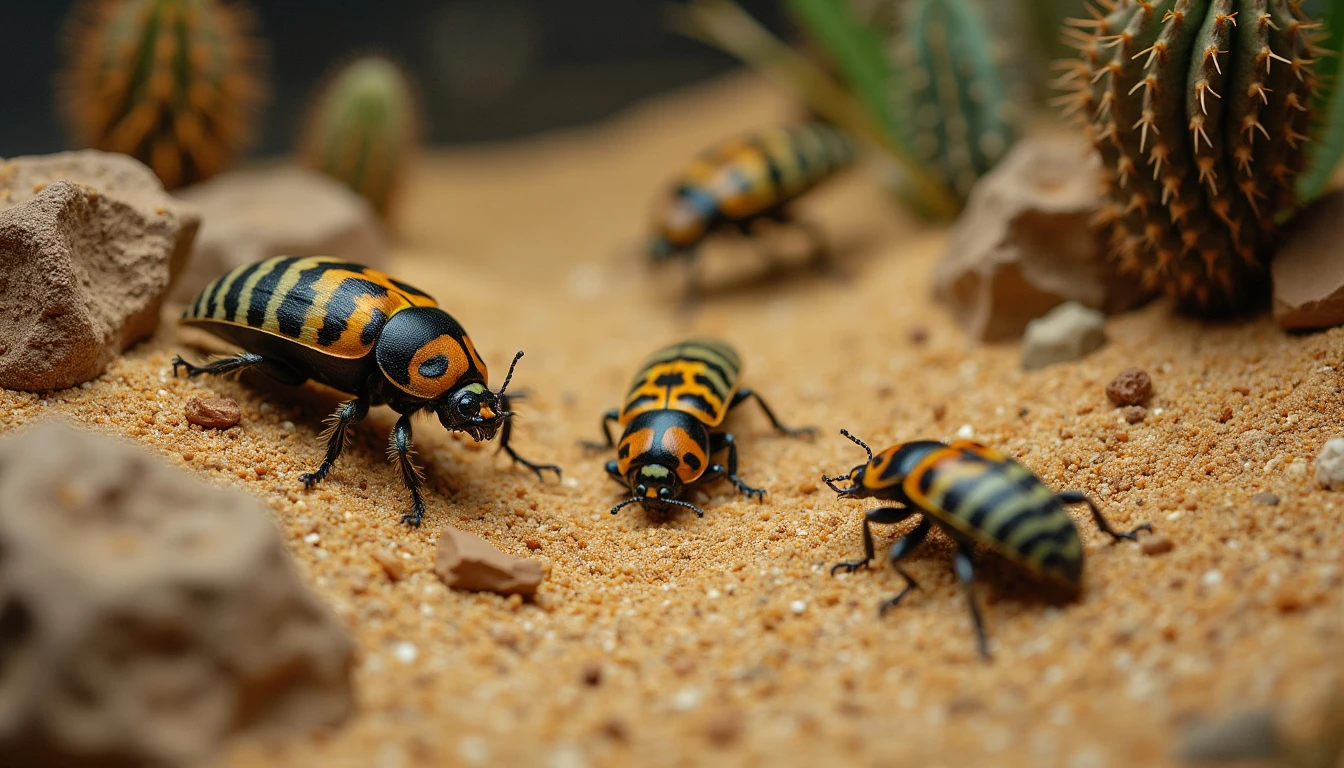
1201	112
362	130
955	90
173	83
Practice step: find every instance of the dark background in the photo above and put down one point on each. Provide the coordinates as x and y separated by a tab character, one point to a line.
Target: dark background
485	69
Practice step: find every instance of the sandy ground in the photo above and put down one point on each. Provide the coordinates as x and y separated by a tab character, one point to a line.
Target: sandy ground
724	639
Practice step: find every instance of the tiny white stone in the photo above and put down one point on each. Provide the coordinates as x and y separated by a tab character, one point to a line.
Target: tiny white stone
715	594
802	531
405	652
162	392
1212	578
287	426
571	482
1330	464
312	538
798	606
1174	515
686	699
965	432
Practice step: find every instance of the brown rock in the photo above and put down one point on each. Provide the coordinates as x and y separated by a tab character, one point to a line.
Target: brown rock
467	561
89	245
1134	413
214	413
724	728
1131	386
1308	270
1024	243
1156	544
287	210
390	564
591	674
147	616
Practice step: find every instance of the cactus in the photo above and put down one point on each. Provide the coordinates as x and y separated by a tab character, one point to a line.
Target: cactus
173	83
362	129
954	89
1200	110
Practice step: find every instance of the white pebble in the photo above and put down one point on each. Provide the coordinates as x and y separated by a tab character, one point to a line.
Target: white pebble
405	652
797	606
312	538
1212	578
715	594
571	482
287	426
1330	464
686	699
965	432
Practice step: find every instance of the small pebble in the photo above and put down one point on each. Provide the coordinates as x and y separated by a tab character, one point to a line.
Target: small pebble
1065	333
390	565
965	432
724	728
213	412
1131	386
807	488
1156	544
591	674
939	411
405	652
1330	464
1265	499
919	334
1134	414
797	606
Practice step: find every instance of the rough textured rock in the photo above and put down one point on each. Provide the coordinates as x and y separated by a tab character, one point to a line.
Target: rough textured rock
1132	386
1065	333
1330	464
286	210
1308	270
89	245
213	412
467	561
1024	243
144	615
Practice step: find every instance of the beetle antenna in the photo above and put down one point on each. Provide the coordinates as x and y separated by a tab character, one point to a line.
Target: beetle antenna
831	482
861	444
698	511
625	504
509	376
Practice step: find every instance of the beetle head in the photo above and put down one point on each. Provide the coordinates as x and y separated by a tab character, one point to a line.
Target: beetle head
656	488
474	409
856	488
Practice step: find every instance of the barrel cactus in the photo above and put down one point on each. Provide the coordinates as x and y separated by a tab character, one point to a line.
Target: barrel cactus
173	83
1200	110
954	89
362	129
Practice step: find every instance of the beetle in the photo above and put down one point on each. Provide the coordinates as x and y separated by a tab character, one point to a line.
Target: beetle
740	182
361	332
671	422
976	495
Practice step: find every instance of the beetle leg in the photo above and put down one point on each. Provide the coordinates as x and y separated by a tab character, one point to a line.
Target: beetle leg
725	440
614	469
400	447
904	546
222	365
965	568
349	412
607	418
1078	497
882	516
506	432
742	396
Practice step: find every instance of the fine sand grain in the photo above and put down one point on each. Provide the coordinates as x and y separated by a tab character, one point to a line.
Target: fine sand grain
724	639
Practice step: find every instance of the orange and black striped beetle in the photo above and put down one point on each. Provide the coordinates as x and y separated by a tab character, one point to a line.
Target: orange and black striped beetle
745	180
362	332
977	495
671	421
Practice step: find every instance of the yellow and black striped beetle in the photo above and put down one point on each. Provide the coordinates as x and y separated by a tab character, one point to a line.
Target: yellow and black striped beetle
977	495
362	332
733	185
671	420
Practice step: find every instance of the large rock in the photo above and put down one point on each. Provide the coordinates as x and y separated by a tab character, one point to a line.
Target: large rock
1025	244
286	210
89	245
1067	332
146	616
1308	270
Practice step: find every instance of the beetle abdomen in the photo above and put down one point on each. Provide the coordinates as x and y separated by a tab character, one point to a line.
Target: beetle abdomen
699	377
336	307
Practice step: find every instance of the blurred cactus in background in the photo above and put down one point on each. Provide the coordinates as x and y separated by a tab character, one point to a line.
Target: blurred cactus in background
173	83
1201	111
362	129
954	89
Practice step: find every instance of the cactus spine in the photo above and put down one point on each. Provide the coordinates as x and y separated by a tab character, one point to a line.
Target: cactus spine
1200	110
954	89
362	129
173	83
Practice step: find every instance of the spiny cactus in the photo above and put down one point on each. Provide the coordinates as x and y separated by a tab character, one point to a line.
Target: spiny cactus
362	129
954	89
1200	110
173	83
